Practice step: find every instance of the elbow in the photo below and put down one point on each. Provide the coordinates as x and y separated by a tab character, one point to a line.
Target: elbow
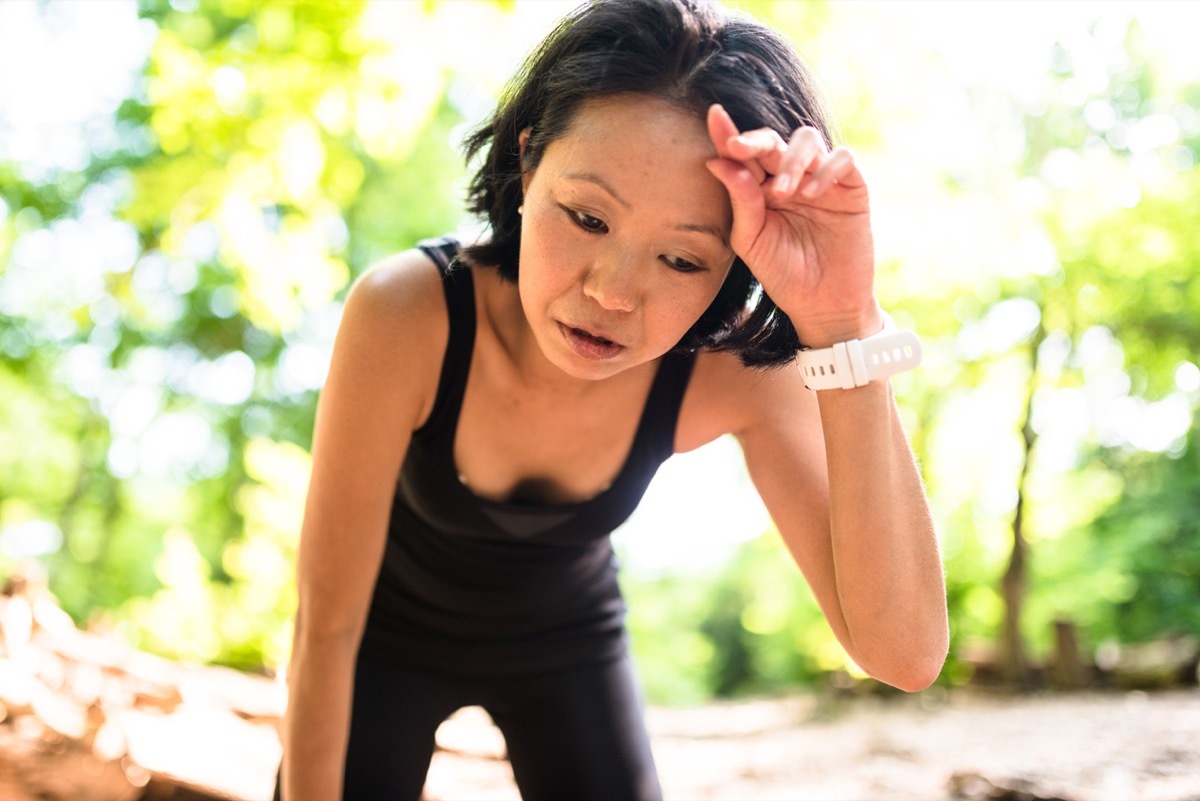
911	675
325	631
916	675
910	669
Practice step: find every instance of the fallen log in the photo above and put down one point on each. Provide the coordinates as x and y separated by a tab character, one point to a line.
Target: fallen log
88	718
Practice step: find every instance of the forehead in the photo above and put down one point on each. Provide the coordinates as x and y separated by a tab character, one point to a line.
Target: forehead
624	118
650	151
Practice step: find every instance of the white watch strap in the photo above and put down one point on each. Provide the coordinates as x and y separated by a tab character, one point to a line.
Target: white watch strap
852	364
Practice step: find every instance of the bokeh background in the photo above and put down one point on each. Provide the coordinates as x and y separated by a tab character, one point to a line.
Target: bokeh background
187	188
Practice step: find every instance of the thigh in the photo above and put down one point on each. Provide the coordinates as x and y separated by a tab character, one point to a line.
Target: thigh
394	717
577	734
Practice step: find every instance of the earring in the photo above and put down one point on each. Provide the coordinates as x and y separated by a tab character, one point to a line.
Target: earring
521	209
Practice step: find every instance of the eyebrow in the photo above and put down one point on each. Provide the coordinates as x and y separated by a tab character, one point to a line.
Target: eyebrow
592	177
699	228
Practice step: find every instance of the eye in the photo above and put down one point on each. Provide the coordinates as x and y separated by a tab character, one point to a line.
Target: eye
587	222
682	265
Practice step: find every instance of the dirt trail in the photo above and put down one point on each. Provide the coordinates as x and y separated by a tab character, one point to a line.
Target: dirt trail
85	717
1081	746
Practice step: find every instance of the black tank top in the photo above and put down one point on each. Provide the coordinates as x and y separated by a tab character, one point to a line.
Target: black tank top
472	585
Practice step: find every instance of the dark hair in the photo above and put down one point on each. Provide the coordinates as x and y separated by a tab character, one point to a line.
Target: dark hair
688	52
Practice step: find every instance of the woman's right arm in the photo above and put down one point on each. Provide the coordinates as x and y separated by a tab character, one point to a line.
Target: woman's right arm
381	384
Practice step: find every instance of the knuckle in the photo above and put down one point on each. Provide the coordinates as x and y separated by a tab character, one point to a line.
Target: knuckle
807	133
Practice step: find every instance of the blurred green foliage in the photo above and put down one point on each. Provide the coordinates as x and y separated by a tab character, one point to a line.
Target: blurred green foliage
159	399
167	307
753	627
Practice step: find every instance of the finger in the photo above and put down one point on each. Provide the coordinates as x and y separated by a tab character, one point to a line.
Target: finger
721	129
723	132
762	145
839	168
804	150
746	198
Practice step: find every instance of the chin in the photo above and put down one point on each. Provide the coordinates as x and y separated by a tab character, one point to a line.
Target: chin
589	370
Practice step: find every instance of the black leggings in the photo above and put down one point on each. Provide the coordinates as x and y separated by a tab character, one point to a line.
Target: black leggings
575	734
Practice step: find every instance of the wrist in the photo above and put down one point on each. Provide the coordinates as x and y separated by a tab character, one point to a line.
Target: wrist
824	333
853	363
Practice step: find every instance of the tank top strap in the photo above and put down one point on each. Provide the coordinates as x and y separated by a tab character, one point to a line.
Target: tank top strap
456	364
661	414
443	250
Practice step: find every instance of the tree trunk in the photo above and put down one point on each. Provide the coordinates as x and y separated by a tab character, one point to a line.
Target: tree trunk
1069	672
1014	664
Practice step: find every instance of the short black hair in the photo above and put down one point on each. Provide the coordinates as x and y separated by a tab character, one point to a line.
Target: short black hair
689	52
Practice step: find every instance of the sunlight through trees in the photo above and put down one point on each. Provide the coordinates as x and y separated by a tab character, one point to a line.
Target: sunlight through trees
183	208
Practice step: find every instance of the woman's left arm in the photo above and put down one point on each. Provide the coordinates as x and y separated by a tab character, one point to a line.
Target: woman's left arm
847	497
850	502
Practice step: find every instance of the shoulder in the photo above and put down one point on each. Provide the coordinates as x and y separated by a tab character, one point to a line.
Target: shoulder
394	330
397	288
726	397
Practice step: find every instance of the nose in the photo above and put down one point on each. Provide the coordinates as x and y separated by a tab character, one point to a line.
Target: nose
613	283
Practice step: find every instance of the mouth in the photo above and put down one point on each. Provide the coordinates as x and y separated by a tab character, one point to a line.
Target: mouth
590	344
583	332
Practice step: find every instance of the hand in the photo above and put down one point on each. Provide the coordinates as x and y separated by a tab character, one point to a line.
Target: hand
801	222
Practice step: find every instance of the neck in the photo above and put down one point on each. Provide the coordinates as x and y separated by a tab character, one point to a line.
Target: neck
502	322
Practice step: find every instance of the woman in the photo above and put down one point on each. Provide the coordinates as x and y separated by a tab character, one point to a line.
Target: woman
667	220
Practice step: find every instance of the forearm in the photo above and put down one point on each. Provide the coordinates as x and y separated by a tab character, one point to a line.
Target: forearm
888	570
317	724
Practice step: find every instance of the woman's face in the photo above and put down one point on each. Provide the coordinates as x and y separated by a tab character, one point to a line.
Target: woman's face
625	236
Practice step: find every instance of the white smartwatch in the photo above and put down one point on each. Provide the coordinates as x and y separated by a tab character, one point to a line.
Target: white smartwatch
857	362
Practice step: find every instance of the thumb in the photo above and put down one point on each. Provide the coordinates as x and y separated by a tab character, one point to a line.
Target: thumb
747	198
